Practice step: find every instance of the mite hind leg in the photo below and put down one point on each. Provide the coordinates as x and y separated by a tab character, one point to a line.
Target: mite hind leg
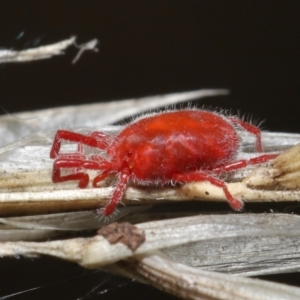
235	203
239	164
251	129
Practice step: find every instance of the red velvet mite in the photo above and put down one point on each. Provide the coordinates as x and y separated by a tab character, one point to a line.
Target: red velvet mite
170	147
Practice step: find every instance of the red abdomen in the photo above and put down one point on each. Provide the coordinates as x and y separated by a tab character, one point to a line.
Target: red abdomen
159	146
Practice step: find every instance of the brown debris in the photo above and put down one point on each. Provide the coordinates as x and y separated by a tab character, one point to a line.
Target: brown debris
126	233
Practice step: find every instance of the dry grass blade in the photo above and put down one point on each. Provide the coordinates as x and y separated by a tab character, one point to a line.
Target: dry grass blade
181	280
44	52
97	251
190	283
50	226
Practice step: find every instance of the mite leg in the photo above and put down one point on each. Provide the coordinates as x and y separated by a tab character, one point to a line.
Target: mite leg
75	164
239	164
109	167
95	139
235	203
250	128
100	177
117	195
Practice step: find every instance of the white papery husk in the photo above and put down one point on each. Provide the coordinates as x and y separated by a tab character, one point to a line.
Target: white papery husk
244	244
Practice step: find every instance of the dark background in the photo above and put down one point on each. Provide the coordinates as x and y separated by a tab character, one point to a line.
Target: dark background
147	48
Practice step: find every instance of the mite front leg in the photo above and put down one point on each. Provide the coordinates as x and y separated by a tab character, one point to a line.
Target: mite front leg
117	195
75	164
67	163
94	139
235	203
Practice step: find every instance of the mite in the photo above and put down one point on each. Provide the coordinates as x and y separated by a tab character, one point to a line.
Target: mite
170	147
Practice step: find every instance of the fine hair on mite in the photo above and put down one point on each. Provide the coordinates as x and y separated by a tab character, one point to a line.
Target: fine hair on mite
222	112
173	146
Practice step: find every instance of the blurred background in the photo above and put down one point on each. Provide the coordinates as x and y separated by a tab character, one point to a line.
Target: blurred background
146	48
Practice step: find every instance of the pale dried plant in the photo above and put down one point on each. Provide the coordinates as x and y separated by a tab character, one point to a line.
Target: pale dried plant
209	256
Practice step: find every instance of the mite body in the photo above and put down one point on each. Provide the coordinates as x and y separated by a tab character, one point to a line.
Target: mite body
170	147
